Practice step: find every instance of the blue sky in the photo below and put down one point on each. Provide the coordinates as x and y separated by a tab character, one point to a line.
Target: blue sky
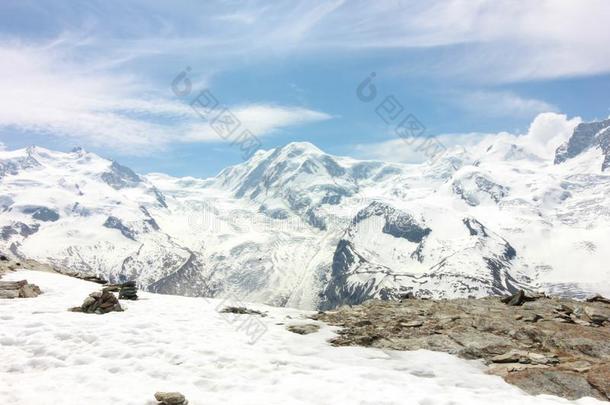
98	74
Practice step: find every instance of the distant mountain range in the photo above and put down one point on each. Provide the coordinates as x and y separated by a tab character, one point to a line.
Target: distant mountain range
294	226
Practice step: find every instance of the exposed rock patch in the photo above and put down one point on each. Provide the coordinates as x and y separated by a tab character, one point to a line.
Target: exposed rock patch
543	345
241	311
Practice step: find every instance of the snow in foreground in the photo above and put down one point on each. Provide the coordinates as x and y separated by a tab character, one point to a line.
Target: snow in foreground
168	343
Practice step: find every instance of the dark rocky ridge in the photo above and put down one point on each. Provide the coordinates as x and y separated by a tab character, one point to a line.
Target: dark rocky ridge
586	136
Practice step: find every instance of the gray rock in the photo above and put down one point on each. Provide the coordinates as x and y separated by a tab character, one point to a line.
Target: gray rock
171	398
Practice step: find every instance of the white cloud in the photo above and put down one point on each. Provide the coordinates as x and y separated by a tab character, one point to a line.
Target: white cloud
261	120
45	93
2	146
546	132
503	103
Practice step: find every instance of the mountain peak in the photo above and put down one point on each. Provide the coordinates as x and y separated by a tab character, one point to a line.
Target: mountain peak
300	148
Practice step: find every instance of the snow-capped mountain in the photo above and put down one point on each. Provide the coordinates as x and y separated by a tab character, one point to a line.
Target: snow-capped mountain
294	226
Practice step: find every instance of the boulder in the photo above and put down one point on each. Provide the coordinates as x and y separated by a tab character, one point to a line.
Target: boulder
597	315
517	299
599	298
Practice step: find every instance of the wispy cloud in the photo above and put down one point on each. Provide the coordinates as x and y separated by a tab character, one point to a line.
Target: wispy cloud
502	104
490	40
399	151
45	92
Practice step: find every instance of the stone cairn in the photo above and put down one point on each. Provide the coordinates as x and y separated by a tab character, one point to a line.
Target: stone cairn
18	289
126	291
171	398
99	302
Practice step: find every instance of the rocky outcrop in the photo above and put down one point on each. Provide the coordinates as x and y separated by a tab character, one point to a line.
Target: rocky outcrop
543	345
18	289
587	135
120	177
43	214
116	223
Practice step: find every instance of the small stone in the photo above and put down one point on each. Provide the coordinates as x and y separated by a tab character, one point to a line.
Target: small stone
304	329
170	398
412	324
406	296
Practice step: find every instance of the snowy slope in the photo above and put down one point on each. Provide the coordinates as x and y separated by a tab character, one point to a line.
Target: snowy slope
297	227
52	356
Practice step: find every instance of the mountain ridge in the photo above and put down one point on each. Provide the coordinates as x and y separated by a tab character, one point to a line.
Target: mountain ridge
294	226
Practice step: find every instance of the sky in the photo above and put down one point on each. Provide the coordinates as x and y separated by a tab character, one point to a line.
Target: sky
120	78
